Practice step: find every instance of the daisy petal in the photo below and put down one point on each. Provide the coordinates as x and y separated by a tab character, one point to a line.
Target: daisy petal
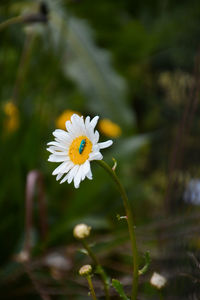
78	177
96	137
58	158
72	173
68	125
57	151
79	123
95	156
64	178
63	168
71	128
61	134
57	144
94	121
83	176
58	177
89	175
86	167
105	144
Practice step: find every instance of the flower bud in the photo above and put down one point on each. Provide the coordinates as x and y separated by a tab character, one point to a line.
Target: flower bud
85	270
81	231
158	280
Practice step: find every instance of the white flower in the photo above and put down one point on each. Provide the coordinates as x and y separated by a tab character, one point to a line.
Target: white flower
81	231
158	280
75	148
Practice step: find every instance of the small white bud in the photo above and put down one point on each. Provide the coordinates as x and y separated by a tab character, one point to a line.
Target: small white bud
85	270
81	231
158	280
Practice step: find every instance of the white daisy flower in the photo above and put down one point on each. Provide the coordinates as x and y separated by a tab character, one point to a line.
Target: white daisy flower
75	148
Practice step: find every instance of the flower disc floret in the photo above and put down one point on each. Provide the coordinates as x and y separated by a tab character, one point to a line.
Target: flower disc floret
75	148
74	154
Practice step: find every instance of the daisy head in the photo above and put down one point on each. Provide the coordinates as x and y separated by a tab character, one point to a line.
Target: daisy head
75	148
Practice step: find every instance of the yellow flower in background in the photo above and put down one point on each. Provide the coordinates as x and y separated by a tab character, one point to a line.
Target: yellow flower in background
109	128
11	121
65	116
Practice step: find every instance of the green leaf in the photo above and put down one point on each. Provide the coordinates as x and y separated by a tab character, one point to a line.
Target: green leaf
90	67
119	288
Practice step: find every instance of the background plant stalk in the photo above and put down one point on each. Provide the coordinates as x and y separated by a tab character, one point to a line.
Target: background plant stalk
130	226
91	287
99	268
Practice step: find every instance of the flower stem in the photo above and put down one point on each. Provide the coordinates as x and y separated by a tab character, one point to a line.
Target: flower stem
99	268
11	21
130	226
91	287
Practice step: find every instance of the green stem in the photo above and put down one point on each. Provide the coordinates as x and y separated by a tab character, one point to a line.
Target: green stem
91	287
160	295
11	21
130	226
100	269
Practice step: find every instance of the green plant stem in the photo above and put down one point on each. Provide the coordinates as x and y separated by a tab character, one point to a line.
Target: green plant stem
100	269
91	287
161	295
11	21
130	226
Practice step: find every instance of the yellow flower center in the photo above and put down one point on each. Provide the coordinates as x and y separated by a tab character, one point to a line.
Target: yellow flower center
109	128
76	157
